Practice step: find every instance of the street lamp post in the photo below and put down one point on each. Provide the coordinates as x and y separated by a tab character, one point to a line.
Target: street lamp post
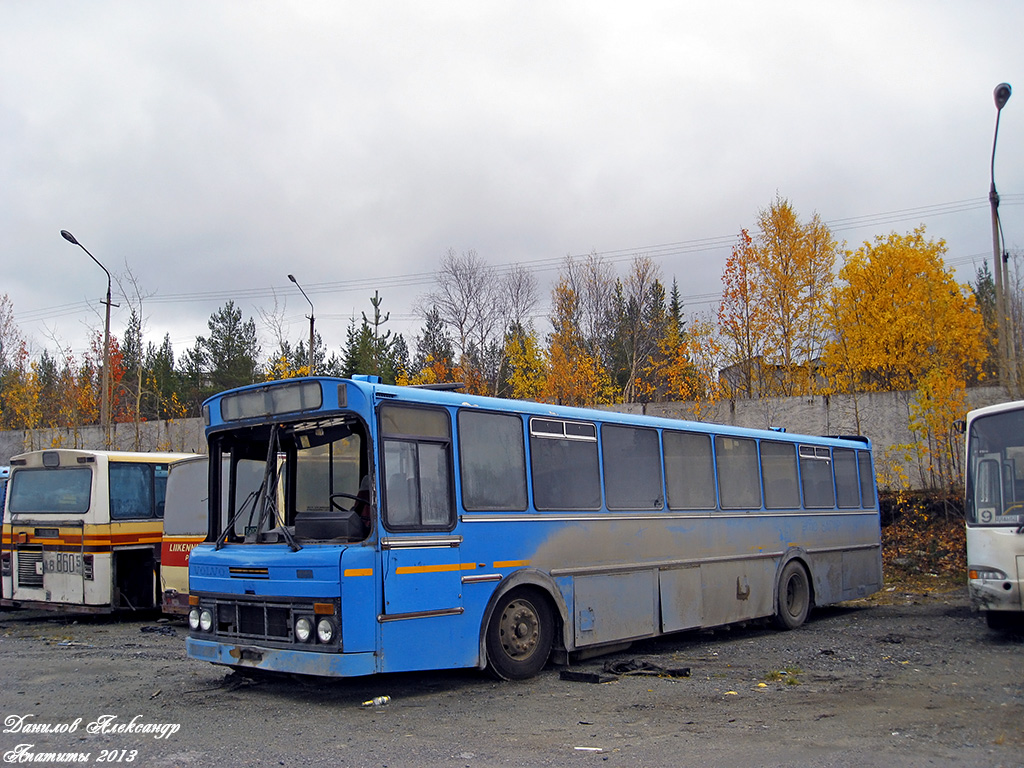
311	320
105	376
1007	373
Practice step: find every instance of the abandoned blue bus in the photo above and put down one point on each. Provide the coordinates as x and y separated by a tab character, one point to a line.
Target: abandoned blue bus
381	528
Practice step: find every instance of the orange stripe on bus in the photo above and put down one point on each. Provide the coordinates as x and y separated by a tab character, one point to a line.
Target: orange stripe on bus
511	563
436	568
359	571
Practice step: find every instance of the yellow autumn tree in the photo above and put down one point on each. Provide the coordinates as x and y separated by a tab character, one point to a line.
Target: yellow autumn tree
526	367
901	322
574	375
686	366
20	407
773	315
742	320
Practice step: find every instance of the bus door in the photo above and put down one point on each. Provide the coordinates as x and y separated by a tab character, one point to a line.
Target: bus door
420	554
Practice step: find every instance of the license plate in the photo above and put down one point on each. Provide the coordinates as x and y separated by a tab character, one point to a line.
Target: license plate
62	562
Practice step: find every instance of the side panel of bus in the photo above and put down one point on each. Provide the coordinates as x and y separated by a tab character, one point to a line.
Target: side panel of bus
185	514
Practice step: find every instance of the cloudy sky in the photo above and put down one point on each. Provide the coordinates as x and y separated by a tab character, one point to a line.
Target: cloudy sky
209	149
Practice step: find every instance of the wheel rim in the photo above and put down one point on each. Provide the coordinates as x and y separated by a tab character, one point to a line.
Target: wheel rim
796	595
519	629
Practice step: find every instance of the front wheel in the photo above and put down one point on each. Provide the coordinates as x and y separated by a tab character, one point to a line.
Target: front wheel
794	600
520	635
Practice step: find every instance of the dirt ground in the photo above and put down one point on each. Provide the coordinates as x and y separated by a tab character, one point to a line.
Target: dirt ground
911	679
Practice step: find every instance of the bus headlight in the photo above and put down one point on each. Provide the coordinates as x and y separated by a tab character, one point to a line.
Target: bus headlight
303	630
987	573
193	618
205	620
325	630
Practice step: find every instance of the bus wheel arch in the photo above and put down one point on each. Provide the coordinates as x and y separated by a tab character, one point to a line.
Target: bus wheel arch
794	594
520	628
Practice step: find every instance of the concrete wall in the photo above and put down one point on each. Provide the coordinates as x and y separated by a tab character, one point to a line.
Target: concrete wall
883	417
184	435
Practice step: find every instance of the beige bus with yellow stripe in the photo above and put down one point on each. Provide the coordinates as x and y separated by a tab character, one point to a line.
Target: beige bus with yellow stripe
83	530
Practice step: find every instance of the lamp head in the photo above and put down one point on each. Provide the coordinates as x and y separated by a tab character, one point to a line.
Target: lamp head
292	278
71	238
1002	95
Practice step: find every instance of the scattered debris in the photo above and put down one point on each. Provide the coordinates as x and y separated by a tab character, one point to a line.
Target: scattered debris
637	667
614	669
573	676
378	701
163	630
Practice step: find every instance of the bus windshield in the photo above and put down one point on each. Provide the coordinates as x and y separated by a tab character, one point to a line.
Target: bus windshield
54	491
995	480
293	482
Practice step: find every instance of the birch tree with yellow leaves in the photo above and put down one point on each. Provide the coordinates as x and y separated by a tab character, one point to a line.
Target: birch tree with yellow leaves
773	315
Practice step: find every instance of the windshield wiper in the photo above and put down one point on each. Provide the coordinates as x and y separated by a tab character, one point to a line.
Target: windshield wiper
222	538
268	488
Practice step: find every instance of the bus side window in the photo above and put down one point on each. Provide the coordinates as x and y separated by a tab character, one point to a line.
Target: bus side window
816	477
867	480
847	488
689	470
739	480
778	468
131	491
565	465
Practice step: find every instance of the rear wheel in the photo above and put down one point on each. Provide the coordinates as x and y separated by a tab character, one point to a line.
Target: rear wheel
520	634
794	600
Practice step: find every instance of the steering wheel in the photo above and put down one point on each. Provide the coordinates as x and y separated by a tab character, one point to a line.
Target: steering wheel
336	505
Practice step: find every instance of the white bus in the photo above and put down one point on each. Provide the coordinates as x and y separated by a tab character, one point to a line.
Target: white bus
994	506
83	529
186	522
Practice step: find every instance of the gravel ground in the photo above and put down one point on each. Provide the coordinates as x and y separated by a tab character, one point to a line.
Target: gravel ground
913	680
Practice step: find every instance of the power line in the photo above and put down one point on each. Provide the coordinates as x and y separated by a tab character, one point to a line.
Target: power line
656	251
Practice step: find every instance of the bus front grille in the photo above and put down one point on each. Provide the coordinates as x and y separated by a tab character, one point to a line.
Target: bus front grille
256	620
30	567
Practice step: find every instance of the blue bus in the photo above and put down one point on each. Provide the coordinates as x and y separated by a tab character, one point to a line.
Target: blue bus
391	529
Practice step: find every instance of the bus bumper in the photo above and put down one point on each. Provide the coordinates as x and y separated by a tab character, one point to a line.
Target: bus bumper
994	595
281	659
42	605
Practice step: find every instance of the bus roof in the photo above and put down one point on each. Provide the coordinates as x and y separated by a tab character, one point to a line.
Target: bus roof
372	389
1014	405
34	457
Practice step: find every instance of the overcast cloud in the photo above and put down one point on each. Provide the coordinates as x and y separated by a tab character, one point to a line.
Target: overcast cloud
213	148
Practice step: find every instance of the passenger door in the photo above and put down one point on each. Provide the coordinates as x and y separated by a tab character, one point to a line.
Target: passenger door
420	552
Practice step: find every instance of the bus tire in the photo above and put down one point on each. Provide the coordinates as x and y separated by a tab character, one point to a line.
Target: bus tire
520	634
794	596
1004	621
